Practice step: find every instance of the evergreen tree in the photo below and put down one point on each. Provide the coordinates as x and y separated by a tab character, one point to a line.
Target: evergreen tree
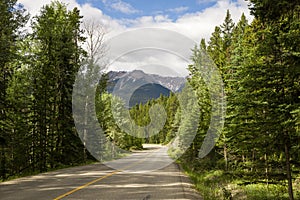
227	28
232	81
12	19
276	72
57	36
215	48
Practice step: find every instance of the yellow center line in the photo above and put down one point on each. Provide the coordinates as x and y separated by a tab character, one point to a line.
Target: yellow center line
85	185
102	177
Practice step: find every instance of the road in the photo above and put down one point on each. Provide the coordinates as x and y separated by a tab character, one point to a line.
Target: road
144	175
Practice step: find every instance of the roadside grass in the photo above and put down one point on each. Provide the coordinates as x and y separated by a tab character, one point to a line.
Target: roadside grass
221	185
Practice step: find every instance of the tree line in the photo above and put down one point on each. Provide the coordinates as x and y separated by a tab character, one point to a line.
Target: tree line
38	70
260	67
258	62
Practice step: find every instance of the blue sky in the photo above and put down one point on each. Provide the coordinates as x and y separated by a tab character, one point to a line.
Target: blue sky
137	8
194	19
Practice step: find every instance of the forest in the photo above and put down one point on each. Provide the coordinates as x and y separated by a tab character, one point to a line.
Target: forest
257	155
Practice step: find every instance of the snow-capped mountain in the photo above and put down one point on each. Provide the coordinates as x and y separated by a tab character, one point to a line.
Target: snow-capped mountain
174	84
139	87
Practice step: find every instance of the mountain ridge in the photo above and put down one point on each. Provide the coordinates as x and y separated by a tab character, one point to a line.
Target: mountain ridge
172	83
137	87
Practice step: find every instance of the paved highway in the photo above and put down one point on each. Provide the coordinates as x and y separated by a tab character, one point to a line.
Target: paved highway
143	175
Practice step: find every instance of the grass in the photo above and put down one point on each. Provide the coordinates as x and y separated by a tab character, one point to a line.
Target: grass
221	185
266	192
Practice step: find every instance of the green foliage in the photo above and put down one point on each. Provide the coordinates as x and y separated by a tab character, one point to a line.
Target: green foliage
141	116
258	191
111	123
56	36
258	149
12	19
215	48
259	64
227	31
218	184
269	11
36	102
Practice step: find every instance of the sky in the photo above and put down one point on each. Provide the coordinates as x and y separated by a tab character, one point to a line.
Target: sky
193	19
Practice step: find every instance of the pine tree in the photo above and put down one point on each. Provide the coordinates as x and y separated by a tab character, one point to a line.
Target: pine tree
232	81
12	19
18	93
220	50
227	30
276	72
57	37
215	49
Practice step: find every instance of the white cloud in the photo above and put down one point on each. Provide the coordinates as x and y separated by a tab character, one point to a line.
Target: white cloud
33	7
144	47
123	7
91	13
178	9
206	1
120	6
162	19
152	62
86	10
193	25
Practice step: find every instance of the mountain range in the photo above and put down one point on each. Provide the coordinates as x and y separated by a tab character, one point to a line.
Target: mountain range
139	87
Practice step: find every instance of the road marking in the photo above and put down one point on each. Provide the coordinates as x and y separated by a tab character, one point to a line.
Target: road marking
85	185
103	177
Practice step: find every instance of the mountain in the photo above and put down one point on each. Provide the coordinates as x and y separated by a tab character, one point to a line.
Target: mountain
147	92
139	87
172	83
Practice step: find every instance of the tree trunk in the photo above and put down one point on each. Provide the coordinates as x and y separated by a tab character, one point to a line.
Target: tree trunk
253	159
288	169
225	157
266	169
3	162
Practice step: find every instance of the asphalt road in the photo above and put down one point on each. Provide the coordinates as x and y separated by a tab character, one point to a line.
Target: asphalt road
144	175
